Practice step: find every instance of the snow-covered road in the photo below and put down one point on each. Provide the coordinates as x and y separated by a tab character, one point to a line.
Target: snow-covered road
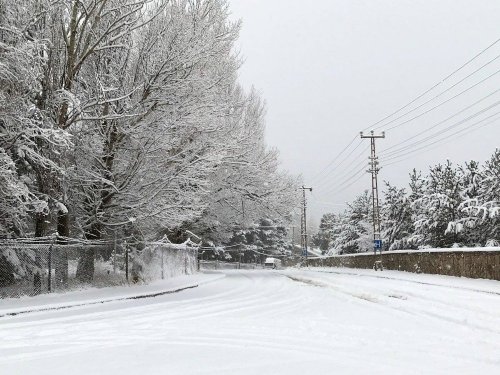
271	322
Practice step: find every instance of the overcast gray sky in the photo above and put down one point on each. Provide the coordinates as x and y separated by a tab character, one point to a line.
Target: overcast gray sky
330	68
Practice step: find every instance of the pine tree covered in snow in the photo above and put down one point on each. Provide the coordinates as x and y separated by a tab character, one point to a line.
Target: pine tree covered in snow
267	235
440	204
351	231
396	219
481	205
328	229
489	195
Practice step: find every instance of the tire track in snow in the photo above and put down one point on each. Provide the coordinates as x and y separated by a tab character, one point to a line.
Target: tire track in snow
409	281
416	309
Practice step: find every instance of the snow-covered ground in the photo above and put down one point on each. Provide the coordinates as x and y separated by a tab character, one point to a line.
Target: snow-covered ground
317	321
92	296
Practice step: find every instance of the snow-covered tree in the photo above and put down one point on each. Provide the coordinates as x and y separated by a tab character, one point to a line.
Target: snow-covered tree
29	144
327	231
127	113
481	205
440	204
396	219
353	230
267	235
247	183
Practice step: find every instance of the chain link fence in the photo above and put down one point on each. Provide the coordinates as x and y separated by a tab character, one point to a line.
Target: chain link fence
234	257
34	266
220	265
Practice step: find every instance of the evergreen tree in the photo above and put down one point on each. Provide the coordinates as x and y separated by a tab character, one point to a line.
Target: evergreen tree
326	234
396	219
355	233
440	204
417	186
481	206
267	235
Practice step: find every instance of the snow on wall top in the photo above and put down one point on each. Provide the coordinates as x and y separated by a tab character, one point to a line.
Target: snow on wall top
447	250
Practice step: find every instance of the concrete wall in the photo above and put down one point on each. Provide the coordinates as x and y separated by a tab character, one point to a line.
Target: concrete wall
474	264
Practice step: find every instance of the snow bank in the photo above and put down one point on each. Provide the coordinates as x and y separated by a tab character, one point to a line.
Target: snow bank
91	296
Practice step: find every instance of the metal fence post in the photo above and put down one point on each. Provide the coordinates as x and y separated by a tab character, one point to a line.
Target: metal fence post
126	262
185	262
49	266
37	275
114	253
198	259
162	264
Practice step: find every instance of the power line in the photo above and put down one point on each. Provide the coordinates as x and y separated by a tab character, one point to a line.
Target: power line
446	139
374	125
351	179
437	105
334	160
344	184
360	173
346	173
323	203
352	183
441	122
342	161
325	178
461	122
340	187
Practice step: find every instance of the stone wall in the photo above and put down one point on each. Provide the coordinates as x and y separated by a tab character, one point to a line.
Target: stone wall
473	264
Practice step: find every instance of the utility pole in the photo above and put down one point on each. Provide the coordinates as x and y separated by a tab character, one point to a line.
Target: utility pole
303	222
374	169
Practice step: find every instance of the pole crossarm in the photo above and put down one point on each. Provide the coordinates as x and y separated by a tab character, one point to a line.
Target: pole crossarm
372	135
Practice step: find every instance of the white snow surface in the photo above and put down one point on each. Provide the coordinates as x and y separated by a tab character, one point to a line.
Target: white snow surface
295	321
93	296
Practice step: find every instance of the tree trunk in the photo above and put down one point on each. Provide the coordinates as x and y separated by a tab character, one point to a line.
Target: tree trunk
85	269
61	256
40	227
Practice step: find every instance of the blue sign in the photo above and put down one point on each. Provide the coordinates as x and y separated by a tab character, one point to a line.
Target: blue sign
377	244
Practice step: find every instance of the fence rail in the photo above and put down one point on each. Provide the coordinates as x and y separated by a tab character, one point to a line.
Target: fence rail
30	267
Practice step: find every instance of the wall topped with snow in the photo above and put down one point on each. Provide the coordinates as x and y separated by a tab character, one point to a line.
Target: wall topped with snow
483	263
